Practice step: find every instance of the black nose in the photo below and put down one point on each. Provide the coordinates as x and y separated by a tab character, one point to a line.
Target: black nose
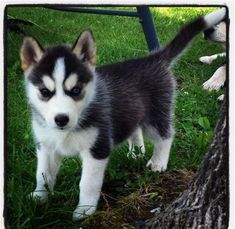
61	120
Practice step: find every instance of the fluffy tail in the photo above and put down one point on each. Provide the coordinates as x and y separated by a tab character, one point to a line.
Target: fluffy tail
177	45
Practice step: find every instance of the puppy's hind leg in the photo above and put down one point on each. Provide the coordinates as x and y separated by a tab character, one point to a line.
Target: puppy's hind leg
136	139
161	153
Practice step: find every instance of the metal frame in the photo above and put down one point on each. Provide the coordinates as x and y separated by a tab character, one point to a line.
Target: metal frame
143	13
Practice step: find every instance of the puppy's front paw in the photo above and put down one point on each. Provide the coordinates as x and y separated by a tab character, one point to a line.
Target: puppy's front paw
39	195
206	59
157	165
82	212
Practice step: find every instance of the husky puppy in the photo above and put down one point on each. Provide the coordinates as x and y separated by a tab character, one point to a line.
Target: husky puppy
80	109
216	33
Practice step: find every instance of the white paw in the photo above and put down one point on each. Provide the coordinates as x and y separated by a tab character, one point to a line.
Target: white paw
221	98
157	165
82	212
39	195
213	84
217	80
206	59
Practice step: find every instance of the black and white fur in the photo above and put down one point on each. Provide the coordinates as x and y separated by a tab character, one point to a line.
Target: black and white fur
80	109
216	33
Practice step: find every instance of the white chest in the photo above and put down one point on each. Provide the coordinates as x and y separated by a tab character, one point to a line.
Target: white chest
66	143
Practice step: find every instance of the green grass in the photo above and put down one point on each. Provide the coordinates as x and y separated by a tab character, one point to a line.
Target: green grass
117	38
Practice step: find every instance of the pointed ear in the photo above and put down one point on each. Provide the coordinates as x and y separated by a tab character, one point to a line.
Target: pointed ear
85	47
30	53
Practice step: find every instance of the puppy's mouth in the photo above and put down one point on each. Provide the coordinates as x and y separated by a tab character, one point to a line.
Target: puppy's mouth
62	128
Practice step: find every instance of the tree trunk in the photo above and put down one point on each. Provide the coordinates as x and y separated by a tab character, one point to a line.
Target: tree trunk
205	203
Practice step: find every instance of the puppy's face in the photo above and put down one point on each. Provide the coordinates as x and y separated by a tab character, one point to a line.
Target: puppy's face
217	33
60	81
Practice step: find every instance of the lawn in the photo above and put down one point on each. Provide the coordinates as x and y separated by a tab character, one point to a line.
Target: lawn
130	189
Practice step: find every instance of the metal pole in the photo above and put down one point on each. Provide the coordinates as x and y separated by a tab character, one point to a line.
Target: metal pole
148	27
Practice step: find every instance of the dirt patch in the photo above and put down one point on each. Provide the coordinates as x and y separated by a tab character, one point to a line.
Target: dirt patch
124	211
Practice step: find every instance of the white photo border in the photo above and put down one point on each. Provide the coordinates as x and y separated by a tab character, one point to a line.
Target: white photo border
231	7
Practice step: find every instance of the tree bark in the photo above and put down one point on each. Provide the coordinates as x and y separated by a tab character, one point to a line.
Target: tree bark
205	203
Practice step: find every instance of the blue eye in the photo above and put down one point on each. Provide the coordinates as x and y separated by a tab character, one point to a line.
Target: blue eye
75	91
